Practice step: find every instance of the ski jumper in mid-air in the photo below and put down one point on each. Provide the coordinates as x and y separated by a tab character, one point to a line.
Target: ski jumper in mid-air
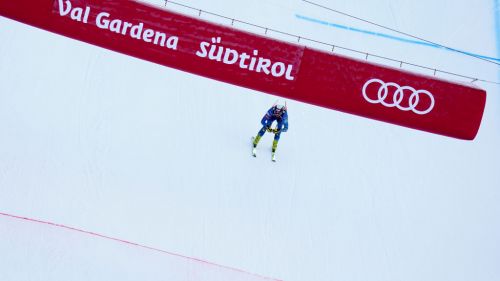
276	113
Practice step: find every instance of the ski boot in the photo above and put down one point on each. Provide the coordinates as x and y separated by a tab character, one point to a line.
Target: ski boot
273	151
254	143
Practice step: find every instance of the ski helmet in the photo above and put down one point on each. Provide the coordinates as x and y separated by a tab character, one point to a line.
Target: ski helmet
279	109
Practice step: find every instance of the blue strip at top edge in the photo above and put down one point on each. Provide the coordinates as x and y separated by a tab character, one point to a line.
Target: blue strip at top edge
406	40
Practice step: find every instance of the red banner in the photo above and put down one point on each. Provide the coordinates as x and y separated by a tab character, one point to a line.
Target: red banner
260	63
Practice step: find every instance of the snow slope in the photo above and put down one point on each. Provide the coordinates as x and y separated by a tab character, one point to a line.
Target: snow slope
111	144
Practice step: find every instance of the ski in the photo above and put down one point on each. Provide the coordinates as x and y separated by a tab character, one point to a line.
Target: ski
254	149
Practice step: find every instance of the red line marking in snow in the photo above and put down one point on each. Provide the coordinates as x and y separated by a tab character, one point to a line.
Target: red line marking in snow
132	244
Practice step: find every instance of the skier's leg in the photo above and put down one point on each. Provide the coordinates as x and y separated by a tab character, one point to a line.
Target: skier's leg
259	136
275	142
275	145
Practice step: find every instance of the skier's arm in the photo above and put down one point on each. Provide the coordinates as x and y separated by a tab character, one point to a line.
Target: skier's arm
266	118
285	122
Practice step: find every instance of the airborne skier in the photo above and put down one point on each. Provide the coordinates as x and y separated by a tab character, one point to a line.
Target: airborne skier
276	113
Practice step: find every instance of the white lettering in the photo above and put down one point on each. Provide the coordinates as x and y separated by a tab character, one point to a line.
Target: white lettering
243	57
160	38
76	14
253	60
126	25
64	12
203	53
136	31
288	75
86	16
211	54
229	53
102	23
172	42
115	26
215	51
147	35
274	69
263	65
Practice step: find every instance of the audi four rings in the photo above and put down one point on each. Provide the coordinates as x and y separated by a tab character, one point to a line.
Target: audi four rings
397	98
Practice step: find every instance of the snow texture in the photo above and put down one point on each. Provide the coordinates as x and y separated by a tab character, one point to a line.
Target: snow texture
111	144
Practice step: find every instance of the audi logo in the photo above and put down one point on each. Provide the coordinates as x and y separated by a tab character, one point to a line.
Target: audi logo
399	95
